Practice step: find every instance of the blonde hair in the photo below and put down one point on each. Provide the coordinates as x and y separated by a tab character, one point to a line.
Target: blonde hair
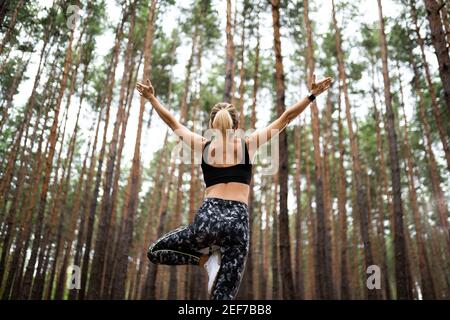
223	117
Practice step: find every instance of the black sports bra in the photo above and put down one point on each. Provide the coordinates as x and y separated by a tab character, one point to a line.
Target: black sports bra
241	172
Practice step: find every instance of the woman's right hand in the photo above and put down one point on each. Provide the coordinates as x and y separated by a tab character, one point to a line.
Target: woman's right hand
320	86
146	90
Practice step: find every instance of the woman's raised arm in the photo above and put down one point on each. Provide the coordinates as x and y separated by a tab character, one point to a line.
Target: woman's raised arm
194	140
263	135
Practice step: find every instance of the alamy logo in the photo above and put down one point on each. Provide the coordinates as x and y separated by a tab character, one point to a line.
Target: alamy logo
374	280
72	20
74	277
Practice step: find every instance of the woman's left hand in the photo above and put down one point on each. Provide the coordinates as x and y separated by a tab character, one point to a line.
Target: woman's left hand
145	90
320	86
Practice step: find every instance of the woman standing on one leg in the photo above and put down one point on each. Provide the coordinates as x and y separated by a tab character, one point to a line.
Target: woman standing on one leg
221	225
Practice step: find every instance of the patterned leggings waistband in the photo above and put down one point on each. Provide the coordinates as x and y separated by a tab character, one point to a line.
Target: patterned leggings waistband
221	201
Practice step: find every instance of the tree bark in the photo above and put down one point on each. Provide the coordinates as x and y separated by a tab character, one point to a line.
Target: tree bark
355	156
434	103
25	291
276	294
426	281
298	253
322	262
229	79
401	270
285	251
12	24
440	45
342	211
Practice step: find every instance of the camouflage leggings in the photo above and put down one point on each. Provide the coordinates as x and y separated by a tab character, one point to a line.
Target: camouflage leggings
218	222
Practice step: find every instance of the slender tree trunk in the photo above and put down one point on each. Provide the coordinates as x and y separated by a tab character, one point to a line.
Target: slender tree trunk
23	236
440	45
324	284
61	193
265	240
445	19
25	291
342	199
229	79
438	194
401	270
115	230
299	281
434	103
285	251
248	279
382	181
276	294
242	72
105	103
95	290
426	281
131	205
12	25
156	193
355	156
28	109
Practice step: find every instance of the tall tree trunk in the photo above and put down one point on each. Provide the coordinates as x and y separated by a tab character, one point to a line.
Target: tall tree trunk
355	156
242	72
12	25
248	290
285	251
382	180
116	228
96	283
401	270
440	45
324	284
75	210
82	226
434	103
106	101
229	79
26	286
342	199
445	19
426	281
23	236
311	223
438	194
156	193
130	207
298	253
276	294
8	170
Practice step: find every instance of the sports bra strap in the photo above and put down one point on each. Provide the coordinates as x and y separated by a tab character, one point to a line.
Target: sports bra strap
247	156
204	148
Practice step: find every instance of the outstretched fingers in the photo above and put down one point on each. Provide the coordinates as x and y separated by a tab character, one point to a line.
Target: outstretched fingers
326	83
139	87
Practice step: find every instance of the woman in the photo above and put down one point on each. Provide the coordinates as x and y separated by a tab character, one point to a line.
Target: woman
218	238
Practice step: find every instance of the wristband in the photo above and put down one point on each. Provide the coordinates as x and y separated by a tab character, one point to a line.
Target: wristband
311	97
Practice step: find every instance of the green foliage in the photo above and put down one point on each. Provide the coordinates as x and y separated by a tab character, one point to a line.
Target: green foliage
162	60
370	40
